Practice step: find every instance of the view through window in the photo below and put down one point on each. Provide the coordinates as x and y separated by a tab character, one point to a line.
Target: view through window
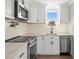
52	16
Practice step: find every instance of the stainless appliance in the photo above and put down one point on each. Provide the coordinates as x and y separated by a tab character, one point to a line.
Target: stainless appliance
19	10
65	44
32	48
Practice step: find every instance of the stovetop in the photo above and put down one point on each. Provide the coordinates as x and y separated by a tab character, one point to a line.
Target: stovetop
20	39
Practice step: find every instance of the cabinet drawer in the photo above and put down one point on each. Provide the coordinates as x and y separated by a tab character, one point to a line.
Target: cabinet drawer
53	37
20	54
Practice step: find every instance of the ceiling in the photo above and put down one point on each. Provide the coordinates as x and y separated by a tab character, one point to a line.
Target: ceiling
52	3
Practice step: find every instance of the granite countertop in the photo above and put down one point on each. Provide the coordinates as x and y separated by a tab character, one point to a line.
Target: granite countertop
48	34
59	34
20	39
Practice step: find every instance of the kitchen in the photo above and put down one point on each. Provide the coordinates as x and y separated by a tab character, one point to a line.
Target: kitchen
32	36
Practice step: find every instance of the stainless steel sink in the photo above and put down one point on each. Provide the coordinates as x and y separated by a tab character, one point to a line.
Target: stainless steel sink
51	34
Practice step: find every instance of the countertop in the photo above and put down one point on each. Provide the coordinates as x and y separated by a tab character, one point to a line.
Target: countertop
48	34
20	39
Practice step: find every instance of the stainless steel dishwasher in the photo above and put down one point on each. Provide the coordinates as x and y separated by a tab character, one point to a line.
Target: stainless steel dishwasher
65	44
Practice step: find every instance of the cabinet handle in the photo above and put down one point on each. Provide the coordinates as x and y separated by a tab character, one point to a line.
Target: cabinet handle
51	38
51	42
42	38
37	20
21	55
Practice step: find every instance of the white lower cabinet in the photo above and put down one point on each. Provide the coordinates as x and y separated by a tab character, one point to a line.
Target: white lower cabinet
20	54
40	45
48	45
55	45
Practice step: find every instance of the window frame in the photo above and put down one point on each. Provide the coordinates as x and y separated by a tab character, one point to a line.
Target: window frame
58	15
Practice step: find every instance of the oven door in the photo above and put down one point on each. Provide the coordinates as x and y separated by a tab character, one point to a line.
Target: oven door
33	50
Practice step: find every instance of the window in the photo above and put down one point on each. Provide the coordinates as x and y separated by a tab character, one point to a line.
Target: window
52	16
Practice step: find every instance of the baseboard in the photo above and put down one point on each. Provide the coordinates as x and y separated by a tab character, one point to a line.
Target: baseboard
65	54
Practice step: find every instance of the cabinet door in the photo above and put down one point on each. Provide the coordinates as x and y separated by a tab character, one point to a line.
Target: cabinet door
47	45
55	45
21	53
16	57
27	4
64	15
33	14
41	15
9	7
52	45
40	45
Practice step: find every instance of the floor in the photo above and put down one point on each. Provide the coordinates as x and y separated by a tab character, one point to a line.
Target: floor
54	57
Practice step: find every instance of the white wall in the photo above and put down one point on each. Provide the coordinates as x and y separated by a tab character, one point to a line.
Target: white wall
71	27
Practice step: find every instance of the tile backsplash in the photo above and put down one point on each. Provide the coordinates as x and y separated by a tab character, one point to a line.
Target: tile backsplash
10	32
33	29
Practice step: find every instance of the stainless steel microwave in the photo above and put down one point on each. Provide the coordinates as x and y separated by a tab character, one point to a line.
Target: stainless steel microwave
19	11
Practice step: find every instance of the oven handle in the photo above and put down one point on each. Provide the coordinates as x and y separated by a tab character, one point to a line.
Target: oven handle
30	45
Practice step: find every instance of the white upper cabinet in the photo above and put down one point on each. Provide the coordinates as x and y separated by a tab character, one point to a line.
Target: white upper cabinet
33	14
37	13
64	14
27	4
41	15
36	10
9	8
